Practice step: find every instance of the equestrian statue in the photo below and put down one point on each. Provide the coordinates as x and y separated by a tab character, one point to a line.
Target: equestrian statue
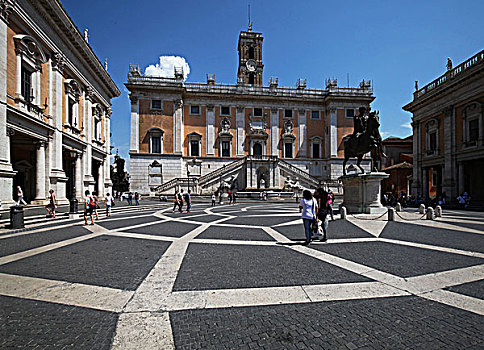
365	138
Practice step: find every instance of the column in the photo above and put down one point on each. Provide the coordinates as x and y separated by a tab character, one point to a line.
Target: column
100	180
274	132
40	194
87	161
6	171
417	170
460	179
134	143
333	133
302	133
78	176
210	130
450	171
107	162
240	125
178	127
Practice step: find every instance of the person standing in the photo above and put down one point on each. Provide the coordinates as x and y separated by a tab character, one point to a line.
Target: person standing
175	202
308	207
213	199
108	201
20	196
234	198
188	200
52	204
96	205
330	203
324	209
180	201
130	198
136	198
88	207
230	198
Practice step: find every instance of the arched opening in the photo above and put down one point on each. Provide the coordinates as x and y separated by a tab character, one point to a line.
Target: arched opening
251	53
251	79
257	149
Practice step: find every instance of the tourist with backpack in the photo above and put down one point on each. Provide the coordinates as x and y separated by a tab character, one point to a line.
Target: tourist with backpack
180	201
89	205
308	207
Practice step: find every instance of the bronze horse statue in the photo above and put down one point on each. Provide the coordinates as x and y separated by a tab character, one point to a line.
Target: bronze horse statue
367	141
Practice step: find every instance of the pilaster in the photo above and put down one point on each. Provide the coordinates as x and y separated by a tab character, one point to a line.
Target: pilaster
450	168
274	131
240	125
333	132
134	142
302	134
210	130
417	162
178	130
40	193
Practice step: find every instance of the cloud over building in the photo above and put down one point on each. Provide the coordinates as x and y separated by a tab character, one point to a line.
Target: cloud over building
166	67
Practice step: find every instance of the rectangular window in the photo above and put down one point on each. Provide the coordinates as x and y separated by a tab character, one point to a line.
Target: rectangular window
156	144
70	115
315	150
225	110
26	83
225	148
288	113
194	149
315	115
155	104
195	110
257	112
473	130
288	150
350	113
433	141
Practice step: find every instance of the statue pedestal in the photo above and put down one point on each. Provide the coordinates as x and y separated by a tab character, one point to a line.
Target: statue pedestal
361	193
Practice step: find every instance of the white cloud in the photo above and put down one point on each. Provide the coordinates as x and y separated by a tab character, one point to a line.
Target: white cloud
406	125
166	67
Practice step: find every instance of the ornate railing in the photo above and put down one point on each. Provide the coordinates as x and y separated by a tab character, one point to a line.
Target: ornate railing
303	175
205	179
178	181
450	74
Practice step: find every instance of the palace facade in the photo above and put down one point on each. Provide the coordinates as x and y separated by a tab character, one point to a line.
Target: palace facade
448	129
54	105
246	136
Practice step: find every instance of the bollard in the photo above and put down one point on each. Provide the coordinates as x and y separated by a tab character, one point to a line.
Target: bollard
343	212
421	209
391	214
16	216
430	213
438	211
398	207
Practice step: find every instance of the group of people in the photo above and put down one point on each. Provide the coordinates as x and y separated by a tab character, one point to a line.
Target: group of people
180	199
91	205
463	199
136	197
316	209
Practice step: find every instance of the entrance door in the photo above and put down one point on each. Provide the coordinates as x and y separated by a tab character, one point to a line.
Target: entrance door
257	149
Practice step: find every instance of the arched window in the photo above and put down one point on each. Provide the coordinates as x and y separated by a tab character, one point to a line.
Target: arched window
251	79
251	53
156	140
257	149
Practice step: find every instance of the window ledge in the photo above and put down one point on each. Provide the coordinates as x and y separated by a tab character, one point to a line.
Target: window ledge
72	129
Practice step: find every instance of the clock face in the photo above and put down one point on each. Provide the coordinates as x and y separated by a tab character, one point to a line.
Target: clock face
251	65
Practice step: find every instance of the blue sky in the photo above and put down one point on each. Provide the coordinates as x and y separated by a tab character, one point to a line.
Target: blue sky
391	43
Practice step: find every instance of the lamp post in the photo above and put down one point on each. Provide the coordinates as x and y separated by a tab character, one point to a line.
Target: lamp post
73	204
188	176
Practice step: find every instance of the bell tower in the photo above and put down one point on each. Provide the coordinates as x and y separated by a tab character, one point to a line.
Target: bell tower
250	58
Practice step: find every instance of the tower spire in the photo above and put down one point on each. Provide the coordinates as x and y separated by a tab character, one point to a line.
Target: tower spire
250	23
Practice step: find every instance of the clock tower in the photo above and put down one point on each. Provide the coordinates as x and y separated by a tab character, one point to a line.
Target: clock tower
250	58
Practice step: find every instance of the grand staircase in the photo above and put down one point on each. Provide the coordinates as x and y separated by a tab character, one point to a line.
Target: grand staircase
223	172
304	177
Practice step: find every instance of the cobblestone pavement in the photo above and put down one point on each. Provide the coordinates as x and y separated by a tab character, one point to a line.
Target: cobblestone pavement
238	277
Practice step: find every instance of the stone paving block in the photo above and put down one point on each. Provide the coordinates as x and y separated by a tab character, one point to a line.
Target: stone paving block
259	221
28	241
399	260
171	229
472	289
219	266
235	233
40	325
120	224
336	229
116	262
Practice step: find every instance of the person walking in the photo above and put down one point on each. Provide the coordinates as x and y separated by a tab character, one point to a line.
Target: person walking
324	209
180	201
175	202
130	198
108	202
213	199
136	198
50	207
188	200
230	198
330	203
308	207
20	196
88	207
234	198
96	205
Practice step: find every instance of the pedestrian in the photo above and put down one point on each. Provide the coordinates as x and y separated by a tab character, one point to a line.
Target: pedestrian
308	207
180	201
213	199
230	198
136	198
175	202
130	198
88	207
264	195
297	197
188	200
108	201
96	205
20	196
50	207
324	208
330	203
234	197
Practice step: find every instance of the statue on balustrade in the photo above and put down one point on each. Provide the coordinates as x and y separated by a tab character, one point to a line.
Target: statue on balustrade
365	138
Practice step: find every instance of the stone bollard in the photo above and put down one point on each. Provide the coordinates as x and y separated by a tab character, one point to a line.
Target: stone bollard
421	209
438	211
398	207
430	213
391	214
343	212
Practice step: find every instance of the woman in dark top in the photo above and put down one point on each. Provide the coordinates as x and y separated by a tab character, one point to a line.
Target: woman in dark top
323	209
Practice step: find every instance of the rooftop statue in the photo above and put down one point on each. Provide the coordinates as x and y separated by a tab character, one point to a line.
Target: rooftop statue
365	138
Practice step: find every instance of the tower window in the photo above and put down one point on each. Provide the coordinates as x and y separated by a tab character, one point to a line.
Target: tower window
251	53
26	83
155	104
251	79
225	110
195	110
288	113
257	112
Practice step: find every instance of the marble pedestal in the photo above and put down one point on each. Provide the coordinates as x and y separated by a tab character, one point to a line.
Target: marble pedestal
361	193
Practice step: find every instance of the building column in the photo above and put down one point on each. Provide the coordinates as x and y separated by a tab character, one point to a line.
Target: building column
302	134
88	179
274	132
450	172
134	142
100	180
417	170
178	127
78	176
210	130
40	194
460	180
333	132
108	184
240	125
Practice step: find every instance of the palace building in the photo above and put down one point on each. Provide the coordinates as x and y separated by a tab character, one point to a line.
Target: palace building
54	105
247	135
448	129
